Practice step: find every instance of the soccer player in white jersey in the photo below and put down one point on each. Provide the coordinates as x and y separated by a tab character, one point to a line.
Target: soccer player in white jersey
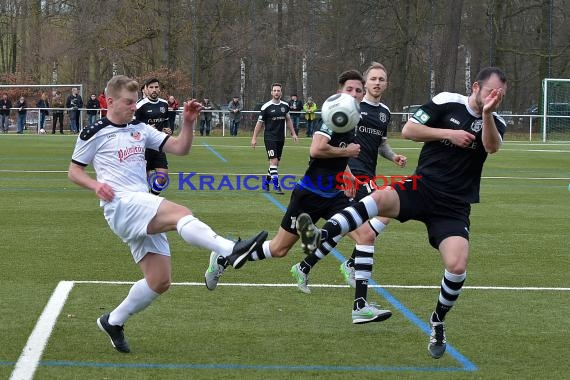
115	146
458	132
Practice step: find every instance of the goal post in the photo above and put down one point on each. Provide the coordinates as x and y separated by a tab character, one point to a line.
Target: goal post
555	109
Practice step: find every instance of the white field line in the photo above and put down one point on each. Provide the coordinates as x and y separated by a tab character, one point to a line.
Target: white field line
31	354
386	286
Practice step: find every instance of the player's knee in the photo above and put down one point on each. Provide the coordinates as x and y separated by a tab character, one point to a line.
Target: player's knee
162	285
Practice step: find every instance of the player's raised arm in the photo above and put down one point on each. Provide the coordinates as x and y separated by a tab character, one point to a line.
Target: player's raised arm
181	144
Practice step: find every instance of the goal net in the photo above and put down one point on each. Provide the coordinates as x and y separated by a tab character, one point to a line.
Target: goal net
555	109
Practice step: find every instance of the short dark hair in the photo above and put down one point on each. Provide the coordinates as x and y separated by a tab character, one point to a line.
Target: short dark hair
150	81
350	75
486	73
276	84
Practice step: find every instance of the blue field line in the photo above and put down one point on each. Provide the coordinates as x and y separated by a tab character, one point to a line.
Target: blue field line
467	364
216	153
257	367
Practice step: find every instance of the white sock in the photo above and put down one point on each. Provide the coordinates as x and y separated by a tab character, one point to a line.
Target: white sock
266	252
195	232
377	225
139	297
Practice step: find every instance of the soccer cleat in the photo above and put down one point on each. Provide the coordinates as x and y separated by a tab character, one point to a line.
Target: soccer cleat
370	313
214	271
437	341
278	190
348	273
115	333
309	233
301	277
243	248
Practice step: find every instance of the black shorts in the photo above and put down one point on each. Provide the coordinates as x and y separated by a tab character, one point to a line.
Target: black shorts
274	149
155	159
443	216
317	207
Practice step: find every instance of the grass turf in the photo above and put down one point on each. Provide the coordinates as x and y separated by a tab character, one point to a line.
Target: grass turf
54	231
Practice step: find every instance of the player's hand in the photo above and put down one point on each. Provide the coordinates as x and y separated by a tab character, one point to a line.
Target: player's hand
104	192
167	130
461	138
191	110
493	100
349	184
352	150
253	142
295	139
400	160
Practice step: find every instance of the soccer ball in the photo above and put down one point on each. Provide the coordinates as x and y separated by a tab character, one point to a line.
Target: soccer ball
341	113
42	131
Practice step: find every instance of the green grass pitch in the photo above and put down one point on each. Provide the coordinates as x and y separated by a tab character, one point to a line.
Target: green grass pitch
511	320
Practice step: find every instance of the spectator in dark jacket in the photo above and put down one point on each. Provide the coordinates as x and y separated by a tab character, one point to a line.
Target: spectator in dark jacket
74	103
57	114
5	105
21	105
43	103
92	109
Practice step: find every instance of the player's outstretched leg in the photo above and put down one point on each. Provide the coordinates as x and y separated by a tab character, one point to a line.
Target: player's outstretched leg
309	233
115	333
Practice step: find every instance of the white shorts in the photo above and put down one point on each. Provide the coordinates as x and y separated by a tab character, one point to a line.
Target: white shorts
128	215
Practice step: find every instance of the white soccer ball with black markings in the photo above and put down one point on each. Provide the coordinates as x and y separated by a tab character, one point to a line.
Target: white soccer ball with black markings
341	113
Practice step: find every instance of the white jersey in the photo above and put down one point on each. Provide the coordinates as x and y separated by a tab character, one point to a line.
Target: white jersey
117	153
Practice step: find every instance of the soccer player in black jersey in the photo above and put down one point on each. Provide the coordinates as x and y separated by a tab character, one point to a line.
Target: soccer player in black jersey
458	133
153	111
274	116
319	193
371	135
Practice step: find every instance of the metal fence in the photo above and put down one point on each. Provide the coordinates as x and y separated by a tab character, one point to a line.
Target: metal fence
520	127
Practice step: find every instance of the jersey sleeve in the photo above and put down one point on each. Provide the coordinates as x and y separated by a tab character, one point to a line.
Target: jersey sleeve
84	151
262	115
428	114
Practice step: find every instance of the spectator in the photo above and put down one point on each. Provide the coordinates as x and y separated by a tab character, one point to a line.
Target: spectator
22	112
74	103
206	117
5	105
295	106
172	107
57	113
310	108
92	107
43	103
102	104
235	109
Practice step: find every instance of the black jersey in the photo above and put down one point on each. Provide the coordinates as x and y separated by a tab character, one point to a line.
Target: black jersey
324	175
153	113
273	116
371	132
447	168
